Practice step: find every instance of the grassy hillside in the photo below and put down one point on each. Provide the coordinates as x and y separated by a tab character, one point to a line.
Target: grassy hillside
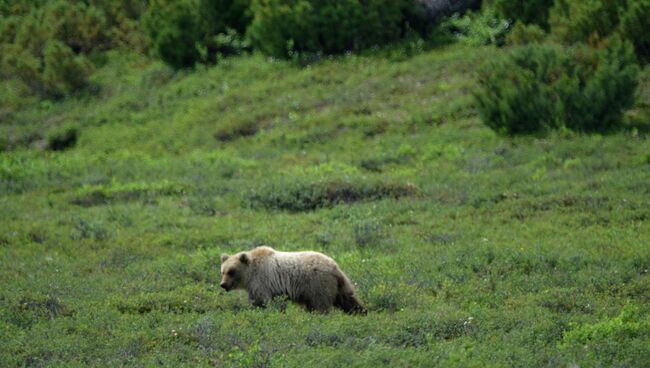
469	249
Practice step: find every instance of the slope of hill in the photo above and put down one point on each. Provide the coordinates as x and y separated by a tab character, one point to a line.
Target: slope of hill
469	249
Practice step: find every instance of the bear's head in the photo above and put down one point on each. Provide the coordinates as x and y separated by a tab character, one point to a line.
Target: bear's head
235	271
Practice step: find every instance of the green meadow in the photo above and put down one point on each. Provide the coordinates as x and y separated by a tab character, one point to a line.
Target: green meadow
470	249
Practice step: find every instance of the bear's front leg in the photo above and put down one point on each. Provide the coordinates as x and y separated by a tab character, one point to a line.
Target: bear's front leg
258	299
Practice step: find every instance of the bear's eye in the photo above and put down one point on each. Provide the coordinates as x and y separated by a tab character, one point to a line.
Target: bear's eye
231	273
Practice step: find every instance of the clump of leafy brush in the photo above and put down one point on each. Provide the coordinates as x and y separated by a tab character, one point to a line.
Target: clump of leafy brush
538	88
573	21
316	188
48	46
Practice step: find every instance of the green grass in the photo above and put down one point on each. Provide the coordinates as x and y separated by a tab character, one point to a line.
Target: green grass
469	249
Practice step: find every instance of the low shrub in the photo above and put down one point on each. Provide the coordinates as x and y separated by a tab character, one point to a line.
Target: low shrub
20	64
219	15
81	27
285	28
59	72
95	195
594	20
537	88
45	47
476	29
634	27
595	344
94	230
175	31
312	191
64	73
185	32
523	34
581	21
307	196
33	308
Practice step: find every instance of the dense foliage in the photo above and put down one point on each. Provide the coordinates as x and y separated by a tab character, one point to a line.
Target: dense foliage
528	12
282	28
220	15
574	21
635	22
542	87
594	20
175	31
47	46
522	34
185	32
44	48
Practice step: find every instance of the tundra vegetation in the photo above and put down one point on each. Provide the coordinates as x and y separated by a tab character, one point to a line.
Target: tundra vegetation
483	178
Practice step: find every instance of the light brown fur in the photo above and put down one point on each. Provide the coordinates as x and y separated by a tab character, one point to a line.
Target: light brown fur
311	279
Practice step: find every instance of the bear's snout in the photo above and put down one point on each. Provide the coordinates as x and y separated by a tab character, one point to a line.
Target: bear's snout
225	286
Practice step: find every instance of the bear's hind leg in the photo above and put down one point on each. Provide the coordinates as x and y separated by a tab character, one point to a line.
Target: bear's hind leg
320	298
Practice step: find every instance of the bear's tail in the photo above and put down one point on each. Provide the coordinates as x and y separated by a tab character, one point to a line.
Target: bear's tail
346	298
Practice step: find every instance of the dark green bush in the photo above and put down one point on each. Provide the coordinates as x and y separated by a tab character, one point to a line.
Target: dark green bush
593	21
283	28
224	22
18	7
44	47
537	88
59	72
123	23
81	27
303	194
418	19
117	10
523	34
175	31
528	12
635	26
64	72
8	27
581	21
219	15
21	64
185	32
105	194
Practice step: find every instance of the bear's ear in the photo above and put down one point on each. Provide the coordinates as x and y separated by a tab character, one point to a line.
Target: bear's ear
224	257
243	258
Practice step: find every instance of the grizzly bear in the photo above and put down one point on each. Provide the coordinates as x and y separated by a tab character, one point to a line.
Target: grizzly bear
311	279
